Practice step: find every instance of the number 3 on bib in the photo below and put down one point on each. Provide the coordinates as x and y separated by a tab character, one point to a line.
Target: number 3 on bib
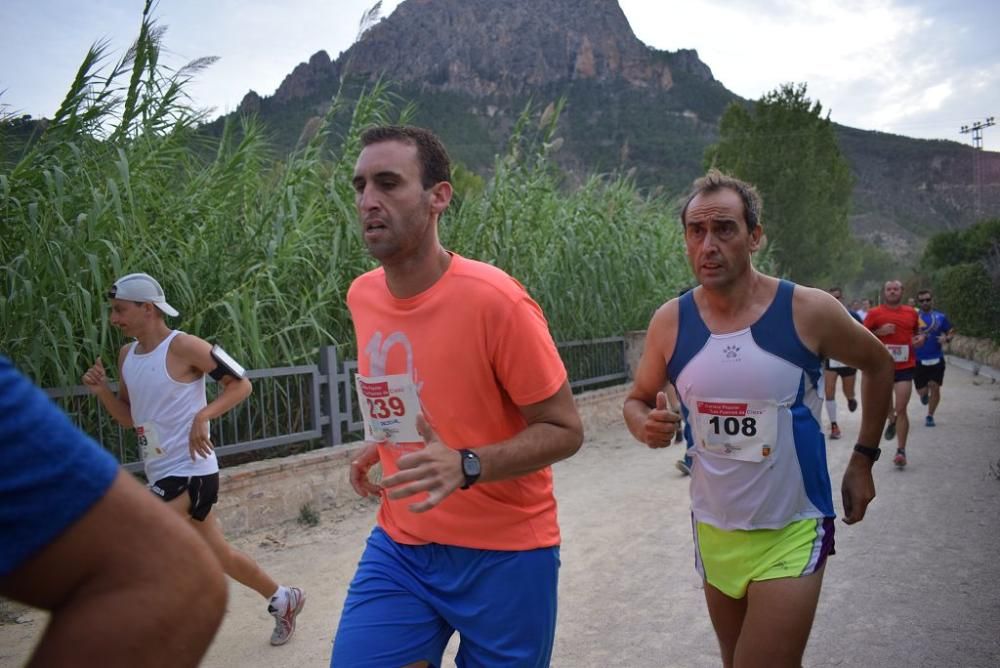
745	430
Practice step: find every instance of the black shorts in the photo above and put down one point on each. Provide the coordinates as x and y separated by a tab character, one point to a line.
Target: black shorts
929	374
842	371
202	489
903	375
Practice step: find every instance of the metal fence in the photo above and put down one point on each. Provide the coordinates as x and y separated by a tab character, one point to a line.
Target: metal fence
309	403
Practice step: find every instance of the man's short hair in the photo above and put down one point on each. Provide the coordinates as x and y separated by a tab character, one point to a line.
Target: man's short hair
715	181
925	291
435	166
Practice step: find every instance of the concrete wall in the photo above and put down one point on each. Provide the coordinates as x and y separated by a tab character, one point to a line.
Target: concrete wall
634	342
262	494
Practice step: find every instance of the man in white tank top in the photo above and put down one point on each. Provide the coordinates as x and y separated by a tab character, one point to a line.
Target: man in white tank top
744	351
162	395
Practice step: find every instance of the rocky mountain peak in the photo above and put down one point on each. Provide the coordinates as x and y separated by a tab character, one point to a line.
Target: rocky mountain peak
487	47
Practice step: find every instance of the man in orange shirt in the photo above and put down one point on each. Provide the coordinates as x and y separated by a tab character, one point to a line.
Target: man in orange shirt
467	405
898	327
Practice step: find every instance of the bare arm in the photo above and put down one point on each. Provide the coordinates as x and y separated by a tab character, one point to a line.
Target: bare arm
129	584
197	353
647	414
96	381
554	432
826	327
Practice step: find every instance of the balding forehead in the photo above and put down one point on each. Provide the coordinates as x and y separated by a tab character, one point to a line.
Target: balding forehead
889	284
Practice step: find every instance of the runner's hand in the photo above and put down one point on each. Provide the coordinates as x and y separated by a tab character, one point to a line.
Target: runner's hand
199	440
435	469
886	330
661	424
858	489
359	471
95	378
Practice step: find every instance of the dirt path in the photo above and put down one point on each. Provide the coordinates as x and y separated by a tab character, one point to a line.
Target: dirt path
916	584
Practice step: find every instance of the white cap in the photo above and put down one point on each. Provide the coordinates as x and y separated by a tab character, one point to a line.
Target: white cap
141	288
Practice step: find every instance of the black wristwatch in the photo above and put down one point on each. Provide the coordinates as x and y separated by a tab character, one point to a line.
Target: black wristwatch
471	467
871	453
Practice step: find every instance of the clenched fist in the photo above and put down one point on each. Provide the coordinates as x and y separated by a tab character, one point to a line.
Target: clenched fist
95	379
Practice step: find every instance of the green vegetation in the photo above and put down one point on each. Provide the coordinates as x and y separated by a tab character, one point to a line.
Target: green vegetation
964	271
308	517
788	150
599	259
258	252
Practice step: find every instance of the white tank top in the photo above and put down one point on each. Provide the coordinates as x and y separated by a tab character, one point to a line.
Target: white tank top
751	402
162	410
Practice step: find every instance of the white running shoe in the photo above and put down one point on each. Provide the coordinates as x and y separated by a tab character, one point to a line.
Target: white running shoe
284	624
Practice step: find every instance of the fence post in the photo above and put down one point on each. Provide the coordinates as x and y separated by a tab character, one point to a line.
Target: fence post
330	368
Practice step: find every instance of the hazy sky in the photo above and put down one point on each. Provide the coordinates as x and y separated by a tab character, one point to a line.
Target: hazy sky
921	68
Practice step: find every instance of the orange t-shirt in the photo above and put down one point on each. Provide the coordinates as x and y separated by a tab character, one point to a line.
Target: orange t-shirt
900	342
477	347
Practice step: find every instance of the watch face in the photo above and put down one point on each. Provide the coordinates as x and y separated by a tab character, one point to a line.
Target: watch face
470	465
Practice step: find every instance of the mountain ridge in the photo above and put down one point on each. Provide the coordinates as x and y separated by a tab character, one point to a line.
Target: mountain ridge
472	65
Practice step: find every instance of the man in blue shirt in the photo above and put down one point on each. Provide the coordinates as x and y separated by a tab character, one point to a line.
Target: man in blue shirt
929	375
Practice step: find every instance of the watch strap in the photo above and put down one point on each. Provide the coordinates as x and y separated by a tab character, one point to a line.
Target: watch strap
871	453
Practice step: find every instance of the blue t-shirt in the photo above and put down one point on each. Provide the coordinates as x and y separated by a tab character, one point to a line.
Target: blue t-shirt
51	472
933	324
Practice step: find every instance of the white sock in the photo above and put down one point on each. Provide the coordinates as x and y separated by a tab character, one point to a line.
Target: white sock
279	599
831	409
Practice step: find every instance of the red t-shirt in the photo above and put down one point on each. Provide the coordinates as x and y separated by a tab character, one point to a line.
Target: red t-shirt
900	342
477	347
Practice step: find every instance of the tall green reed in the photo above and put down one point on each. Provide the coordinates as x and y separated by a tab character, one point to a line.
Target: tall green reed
259	252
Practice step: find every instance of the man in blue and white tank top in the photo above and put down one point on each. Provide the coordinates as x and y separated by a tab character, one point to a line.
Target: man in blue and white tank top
162	396
744	351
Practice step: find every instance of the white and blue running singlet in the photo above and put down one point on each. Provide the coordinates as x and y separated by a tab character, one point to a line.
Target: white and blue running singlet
752	402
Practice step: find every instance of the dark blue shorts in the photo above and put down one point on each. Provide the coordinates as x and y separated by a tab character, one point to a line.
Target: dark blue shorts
406	601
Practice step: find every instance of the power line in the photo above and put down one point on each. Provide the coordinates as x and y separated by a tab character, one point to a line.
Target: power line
977	168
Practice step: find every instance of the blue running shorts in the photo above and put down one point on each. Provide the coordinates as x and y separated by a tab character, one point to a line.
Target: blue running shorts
406	601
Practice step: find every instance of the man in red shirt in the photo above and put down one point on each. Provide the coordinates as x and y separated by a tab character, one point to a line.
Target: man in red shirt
897	326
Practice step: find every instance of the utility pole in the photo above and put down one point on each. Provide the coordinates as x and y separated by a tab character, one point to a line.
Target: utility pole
977	169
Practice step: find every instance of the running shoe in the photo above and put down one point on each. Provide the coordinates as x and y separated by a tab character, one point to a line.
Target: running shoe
284	622
925	398
683	467
929	421
834	431
900	459
852	405
890	431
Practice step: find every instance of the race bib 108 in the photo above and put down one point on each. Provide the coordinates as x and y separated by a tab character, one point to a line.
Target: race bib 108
746	430
389	406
